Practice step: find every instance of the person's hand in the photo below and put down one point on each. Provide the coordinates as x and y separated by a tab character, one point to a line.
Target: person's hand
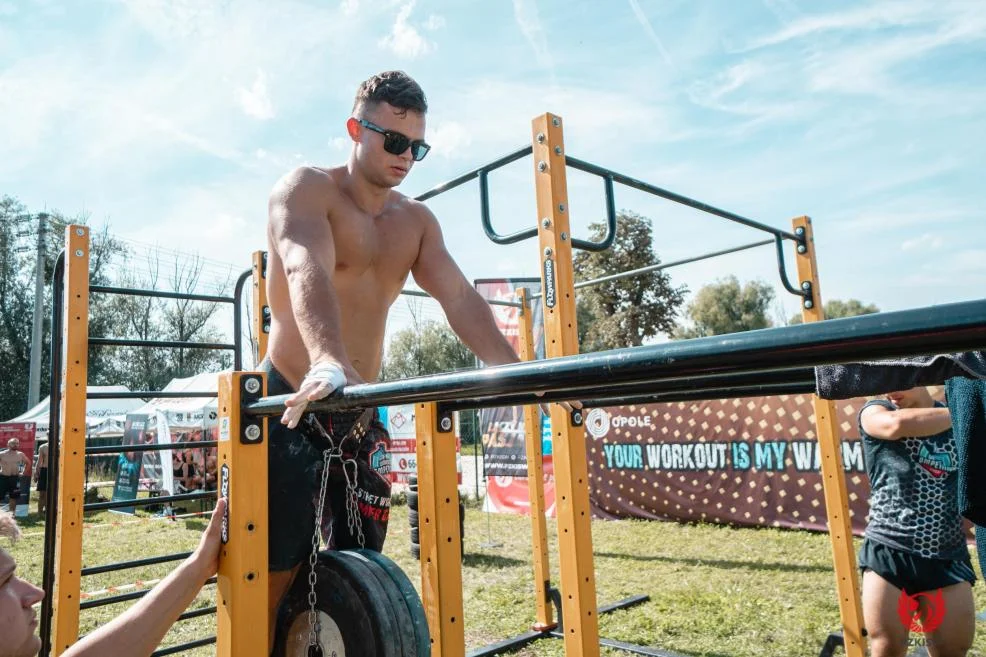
206	555
322	379
569	406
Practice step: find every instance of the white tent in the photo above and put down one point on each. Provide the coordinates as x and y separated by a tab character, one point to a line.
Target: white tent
188	413
98	411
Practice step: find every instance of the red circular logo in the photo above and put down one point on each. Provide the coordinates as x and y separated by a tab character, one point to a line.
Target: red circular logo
921	612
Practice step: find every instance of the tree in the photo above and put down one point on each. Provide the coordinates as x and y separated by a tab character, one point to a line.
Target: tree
625	312
836	309
725	307
425	348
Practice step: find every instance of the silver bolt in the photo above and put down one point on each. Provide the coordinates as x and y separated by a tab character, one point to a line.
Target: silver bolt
808	304
561	207
578	418
252	386
802	248
546	223
542	166
557	150
446	424
805	285
800	230
540	137
548	252
253	432
80	231
78	253
564	236
555	122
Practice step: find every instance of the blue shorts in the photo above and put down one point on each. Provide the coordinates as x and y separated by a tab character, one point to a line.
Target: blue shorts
912	573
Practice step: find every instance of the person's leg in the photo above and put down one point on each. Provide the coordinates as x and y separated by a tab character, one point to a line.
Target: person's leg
953	637
887	634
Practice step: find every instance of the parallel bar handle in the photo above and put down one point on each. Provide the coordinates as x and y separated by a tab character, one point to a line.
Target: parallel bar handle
484	209
610	236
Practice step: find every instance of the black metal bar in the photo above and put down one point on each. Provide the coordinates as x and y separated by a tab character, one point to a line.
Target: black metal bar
153	447
149	501
768	390
196	613
134	563
466	177
508	645
610	235
105	289
54	453
632	601
945	328
159	344
628	647
492	302
804	293
487	220
594	394
151	394
833	641
664	265
238	319
174	650
640	185
123	597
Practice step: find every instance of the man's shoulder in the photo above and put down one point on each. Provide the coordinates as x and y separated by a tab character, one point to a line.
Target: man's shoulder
305	180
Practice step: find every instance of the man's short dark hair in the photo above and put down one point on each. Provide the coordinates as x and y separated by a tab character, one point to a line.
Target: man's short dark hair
396	88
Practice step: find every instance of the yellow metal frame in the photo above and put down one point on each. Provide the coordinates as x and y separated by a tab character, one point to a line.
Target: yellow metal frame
578	586
439	531
261	310
241	587
535	479
72	438
833	472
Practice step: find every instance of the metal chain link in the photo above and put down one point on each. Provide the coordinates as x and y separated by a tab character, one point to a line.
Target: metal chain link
314	624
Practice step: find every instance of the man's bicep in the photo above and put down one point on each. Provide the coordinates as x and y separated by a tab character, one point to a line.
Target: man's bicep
435	270
299	227
878	421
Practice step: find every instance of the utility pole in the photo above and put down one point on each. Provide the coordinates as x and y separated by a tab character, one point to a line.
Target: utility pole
34	385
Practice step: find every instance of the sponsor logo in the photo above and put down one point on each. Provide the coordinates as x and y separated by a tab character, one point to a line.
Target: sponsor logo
938	463
597	423
224	492
549	282
921	612
380	458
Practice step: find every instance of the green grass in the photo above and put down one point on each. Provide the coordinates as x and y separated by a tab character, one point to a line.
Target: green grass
714	590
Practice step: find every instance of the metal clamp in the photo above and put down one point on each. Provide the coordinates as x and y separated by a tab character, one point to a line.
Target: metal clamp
251	429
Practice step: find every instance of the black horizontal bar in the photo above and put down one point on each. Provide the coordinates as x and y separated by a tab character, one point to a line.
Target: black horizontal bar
153	447
588	167
159	294
148	501
766	390
593	392
182	647
135	563
124	597
158	344
945	328
151	394
466	177
196	613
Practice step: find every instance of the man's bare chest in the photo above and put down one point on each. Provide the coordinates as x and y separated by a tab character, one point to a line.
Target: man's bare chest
381	247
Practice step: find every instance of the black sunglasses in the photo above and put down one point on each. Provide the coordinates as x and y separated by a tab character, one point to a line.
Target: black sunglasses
396	143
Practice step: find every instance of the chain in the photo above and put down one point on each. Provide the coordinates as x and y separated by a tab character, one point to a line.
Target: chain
314	624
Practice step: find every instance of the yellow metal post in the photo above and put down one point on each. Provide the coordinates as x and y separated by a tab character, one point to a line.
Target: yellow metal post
261	311
833	473
578	585
241	587
535	479
72	436
439	531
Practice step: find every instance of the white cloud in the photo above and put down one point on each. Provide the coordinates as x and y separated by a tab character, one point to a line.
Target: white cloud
255	101
650	32
435	22
349	7
529	21
923	242
404	39
450	140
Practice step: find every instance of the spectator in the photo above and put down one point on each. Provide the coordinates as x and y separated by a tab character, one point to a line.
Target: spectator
914	555
12	465
41	477
136	632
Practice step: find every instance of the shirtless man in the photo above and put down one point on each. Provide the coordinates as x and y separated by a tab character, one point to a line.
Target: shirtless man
41	477
12	464
341	244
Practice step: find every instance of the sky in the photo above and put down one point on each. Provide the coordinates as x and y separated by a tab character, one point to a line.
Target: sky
169	121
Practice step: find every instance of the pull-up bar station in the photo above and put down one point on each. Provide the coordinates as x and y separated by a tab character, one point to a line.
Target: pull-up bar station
768	361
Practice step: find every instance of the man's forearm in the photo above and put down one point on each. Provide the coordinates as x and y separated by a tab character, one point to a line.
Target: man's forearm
922	422
472	320
139	630
317	315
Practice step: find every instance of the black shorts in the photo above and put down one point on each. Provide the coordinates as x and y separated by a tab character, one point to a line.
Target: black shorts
9	484
295	472
912	573
42	480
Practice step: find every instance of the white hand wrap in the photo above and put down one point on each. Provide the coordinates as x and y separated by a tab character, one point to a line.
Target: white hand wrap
322	379
329	374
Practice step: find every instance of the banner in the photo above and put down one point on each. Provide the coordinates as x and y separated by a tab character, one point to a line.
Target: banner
24	433
753	461
400	423
130	464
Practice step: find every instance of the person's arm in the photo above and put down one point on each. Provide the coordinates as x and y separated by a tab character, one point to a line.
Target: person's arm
302	236
468	313
881	422
139	630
